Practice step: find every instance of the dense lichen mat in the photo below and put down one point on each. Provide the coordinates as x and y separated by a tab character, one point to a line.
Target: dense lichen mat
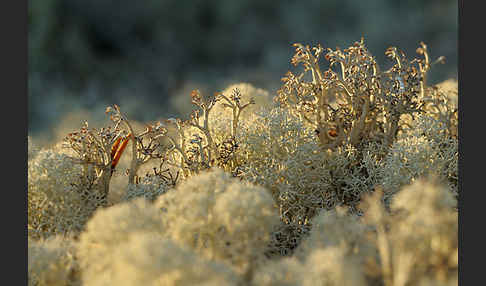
347	176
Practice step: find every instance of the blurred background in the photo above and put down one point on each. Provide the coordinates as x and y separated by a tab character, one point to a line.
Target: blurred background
146	56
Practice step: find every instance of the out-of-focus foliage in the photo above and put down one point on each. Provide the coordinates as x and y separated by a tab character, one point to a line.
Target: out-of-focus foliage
83	52
109	230
418	243
148	260
52	261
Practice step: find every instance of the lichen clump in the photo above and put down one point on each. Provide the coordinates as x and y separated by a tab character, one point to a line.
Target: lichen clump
347	176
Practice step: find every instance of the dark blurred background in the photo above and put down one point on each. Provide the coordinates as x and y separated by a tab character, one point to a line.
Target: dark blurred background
146	55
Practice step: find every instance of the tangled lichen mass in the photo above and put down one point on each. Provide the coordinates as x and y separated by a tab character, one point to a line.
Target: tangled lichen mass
347	176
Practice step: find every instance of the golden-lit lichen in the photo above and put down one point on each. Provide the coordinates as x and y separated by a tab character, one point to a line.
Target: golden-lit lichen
52	261
417	241
59	200
221	218
324	185
110	229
